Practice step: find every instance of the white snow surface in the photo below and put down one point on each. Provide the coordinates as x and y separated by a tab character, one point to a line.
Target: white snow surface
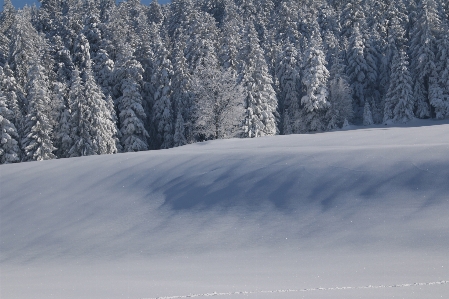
360	213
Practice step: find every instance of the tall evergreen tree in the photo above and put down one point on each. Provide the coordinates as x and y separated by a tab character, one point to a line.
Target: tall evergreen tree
340	96
314	80
37	141
399	102
182	96
162	107
289	78
357	69
128	75
422	48
9	145
261	101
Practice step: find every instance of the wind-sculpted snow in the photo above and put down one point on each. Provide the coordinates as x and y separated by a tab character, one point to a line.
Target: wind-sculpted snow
356	207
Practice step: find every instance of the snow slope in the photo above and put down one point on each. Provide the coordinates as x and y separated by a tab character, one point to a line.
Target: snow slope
361	213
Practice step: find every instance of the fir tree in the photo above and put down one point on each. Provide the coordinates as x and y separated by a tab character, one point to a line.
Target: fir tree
261	101
441	101
288	76
182	96
37	142
357	68
128	74
399	102
340	97
422	49
314	80
63	139
80	129
9	146
162	108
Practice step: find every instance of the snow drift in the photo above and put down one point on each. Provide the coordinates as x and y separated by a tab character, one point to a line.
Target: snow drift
338	209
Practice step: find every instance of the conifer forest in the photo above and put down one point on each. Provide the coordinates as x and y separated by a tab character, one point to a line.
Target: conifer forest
91	77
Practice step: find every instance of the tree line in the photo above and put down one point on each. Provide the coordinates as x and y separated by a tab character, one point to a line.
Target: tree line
87	77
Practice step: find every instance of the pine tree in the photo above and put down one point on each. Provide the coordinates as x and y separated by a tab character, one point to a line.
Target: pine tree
422	49
9	146
63	139
37	143
288	76
314	80
155	13
80	129
14	97
352	18
373	90
261	101
357	68
340	96
162	108
441	101
230	41
182	96
399	102
103	129
7	17
128	74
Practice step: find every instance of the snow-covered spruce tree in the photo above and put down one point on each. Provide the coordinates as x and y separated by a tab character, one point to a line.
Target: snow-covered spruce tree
155	13
37	143
219	102
63	141
179	138
399	102
80	127
441	102
9	145
422	48
14	97
286	22
367	115
7	17
25	44
373	90
396	39
104	127
162	114
202	37
63	61
261	101
340	96
230	38
314	81
352	17
328	19
357	69
50	16
182	96
288	76
92	130
127	75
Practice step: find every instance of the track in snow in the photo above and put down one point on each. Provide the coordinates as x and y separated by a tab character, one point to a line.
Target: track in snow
307	290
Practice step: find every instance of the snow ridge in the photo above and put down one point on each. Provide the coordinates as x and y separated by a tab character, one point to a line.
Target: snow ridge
307	290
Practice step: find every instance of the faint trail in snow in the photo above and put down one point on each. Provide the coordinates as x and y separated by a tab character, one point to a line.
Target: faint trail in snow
307	290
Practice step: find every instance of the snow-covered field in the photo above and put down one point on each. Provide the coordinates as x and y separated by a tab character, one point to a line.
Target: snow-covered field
362	213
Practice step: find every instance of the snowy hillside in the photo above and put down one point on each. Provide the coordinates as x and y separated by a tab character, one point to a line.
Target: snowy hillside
273	217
